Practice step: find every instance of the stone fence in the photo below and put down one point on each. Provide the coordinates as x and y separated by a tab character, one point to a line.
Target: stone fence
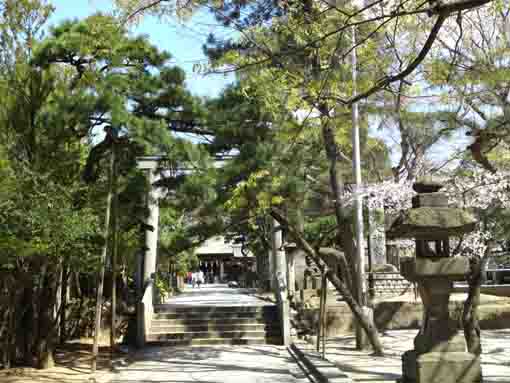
379	284
388	283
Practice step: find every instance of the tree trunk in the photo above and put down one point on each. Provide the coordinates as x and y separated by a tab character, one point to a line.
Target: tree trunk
115	241
4	321
28	323
99	299
37	304
47	321
470	321
4	335
77	284
8	330
11	343
58	300
470	313
63	300
347	235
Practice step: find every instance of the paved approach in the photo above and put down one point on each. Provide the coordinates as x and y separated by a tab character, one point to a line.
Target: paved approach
216	295
363	367
208	364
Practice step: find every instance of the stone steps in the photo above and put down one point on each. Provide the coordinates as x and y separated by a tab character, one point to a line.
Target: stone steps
210	325
181	309
156	341
217	317
179	321
170	328
163	335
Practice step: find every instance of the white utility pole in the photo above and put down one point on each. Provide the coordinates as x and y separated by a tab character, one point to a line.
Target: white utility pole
359	267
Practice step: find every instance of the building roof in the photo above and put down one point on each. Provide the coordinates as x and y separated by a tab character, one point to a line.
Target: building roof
218	245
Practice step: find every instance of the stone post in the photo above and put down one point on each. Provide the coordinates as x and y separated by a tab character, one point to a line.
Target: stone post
377	235
279	259
150	164
270	270
291	273
280	281
151	236
148	268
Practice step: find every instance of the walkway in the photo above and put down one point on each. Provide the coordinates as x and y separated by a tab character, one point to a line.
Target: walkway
217	295
212	364
363	367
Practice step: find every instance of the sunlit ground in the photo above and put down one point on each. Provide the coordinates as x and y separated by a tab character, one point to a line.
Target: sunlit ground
364	367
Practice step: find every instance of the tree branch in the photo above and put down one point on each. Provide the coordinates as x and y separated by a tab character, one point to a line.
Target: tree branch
341	259
341	287
387	80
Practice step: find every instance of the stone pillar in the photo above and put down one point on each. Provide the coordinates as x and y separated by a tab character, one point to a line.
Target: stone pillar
279	260
222	271
377	235
291	273
280	281
151	236
270	270
150	164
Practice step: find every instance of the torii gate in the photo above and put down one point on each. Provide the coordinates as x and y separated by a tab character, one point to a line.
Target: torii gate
147	267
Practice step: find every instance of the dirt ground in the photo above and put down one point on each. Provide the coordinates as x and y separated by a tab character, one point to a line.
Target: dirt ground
72	365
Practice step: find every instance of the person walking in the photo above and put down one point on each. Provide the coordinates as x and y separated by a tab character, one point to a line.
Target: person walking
200	277
194	278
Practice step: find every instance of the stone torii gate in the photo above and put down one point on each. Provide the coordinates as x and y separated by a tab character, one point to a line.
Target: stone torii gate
278	265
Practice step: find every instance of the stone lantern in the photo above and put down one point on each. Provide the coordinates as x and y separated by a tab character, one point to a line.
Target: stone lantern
440	353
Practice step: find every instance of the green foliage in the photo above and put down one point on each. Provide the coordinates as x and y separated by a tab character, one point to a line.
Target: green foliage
162	284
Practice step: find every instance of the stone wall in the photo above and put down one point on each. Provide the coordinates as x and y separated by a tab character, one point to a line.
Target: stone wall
396	315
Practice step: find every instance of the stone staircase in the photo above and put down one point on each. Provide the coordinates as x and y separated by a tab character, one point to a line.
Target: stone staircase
214	325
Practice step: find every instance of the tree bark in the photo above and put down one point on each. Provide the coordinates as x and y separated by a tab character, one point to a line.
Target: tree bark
99	299
344	228
115	240
470	320
77	284
8	330
341	261
63	300
47	323
28	323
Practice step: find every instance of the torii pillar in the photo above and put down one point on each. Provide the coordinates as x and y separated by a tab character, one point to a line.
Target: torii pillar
280	280
150	164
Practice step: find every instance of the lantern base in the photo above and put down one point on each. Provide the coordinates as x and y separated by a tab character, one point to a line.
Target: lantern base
440	367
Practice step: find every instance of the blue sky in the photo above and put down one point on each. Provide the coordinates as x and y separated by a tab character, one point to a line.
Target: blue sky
183	41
